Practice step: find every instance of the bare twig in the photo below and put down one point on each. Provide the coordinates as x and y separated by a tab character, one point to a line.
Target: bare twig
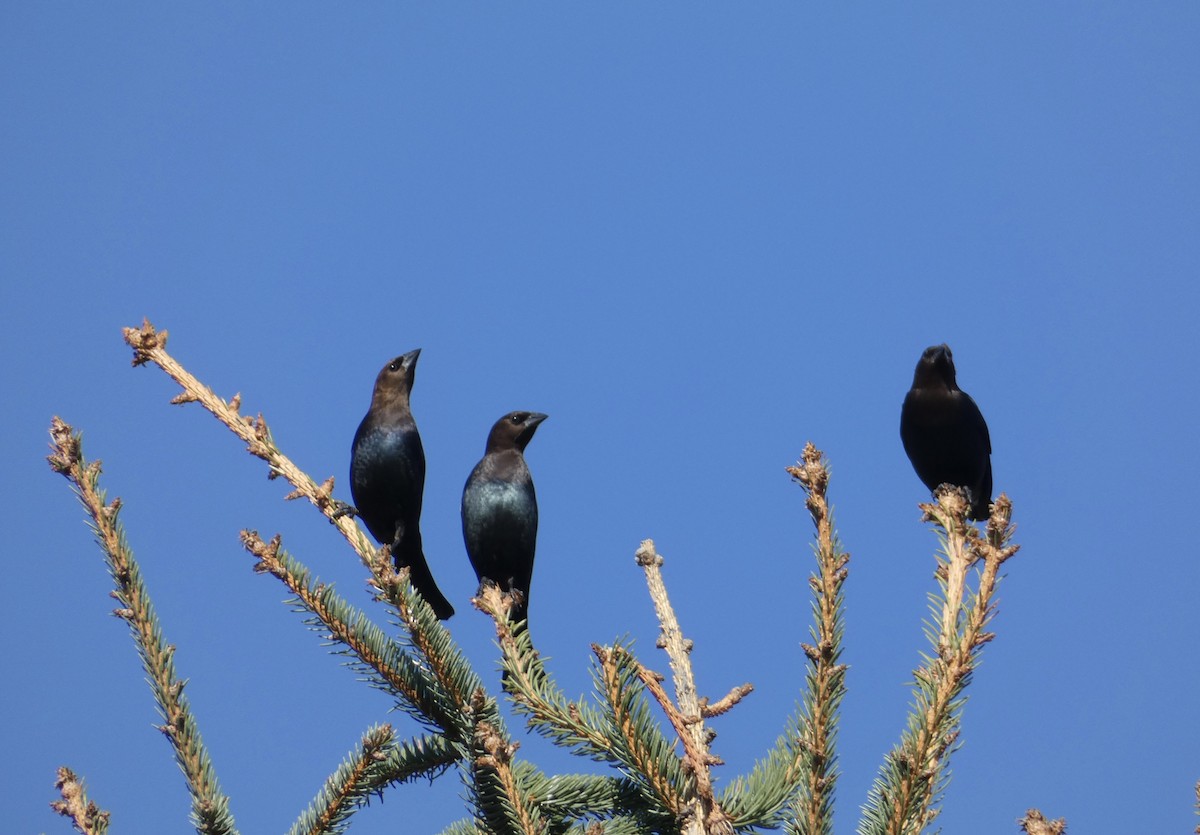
705	814
695	758
150	345
726	703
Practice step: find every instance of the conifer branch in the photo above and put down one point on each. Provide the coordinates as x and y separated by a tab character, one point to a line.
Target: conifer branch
210	807
462	827
503	803
580	796
636	740
579	726
348	787
425	756
88	818
389	667
726	703
800	770
430	639
378	762
612	826
826	676
905	796
534	693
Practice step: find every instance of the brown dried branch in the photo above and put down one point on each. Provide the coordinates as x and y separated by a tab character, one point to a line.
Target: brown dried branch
704	813
726	703
88	818
696	760
149	346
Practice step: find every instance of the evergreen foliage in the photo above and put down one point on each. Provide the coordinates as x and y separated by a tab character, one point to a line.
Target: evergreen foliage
656	743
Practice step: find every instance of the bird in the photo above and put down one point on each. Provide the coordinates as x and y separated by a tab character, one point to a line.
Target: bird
387	476
944	433
500	513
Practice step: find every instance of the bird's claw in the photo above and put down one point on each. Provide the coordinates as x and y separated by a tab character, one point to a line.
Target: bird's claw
341	509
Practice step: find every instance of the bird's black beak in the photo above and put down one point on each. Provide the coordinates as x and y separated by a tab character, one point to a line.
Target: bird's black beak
936	352
529	426
410	365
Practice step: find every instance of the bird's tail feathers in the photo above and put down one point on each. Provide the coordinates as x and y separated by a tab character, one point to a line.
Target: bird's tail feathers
413	557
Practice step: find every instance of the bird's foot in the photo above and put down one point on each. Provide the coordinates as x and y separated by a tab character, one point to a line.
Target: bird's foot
341	509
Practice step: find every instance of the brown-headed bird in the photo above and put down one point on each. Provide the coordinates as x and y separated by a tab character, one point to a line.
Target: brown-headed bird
387	476
499	510
944	433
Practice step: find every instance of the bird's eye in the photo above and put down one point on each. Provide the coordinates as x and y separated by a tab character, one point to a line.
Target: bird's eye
516	418
393	366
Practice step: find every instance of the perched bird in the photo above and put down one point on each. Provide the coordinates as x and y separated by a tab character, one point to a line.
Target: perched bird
499	509
944	433
387	476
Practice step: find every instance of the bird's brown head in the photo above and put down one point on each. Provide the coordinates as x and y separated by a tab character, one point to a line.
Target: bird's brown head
514	431
395	380
936	369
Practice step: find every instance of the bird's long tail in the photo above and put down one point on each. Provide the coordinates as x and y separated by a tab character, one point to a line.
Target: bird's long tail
410	554
981	496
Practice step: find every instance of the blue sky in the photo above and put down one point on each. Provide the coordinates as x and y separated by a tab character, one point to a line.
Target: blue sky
696	236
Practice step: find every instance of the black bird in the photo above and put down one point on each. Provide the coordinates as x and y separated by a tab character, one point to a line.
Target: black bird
944	433
387	476
499	509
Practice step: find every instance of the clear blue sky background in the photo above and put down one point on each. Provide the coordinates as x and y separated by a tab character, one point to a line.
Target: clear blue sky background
697	236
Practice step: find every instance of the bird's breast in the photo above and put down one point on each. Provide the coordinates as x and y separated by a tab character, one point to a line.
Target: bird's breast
501	497
931	408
